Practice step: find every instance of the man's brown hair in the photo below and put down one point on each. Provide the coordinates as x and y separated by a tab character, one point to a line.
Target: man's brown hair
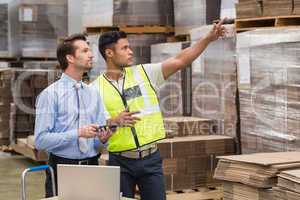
66	47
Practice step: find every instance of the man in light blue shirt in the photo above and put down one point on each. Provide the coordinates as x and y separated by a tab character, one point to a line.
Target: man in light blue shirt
69	113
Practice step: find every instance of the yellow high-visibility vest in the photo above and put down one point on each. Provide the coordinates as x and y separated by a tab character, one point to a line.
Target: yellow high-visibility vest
138	95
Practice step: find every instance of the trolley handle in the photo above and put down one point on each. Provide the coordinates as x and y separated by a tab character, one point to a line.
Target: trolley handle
35	169
38	168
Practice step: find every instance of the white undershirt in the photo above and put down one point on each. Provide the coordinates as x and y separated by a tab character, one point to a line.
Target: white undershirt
153	71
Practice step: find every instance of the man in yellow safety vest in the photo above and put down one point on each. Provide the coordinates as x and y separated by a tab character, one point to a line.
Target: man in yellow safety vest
129	96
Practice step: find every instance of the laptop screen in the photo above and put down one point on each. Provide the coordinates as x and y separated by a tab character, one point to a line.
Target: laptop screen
77	182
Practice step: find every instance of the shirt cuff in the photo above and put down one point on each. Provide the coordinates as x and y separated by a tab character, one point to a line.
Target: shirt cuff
98	143
72	135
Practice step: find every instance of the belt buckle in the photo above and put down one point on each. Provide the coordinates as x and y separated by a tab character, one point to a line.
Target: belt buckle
140	153
83	162
145	153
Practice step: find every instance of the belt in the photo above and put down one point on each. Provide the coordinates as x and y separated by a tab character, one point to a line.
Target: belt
137	154
85	161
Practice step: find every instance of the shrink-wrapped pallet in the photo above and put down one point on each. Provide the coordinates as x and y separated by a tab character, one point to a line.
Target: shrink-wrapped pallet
269	81
7	50
127	13
170	94
26	86
99	64
5	100
141	45
214	81
191	14
38	26
228	9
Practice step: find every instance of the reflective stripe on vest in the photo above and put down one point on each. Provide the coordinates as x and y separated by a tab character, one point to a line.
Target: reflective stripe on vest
138	95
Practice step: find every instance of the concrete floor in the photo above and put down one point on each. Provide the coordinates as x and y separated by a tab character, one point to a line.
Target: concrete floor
11	168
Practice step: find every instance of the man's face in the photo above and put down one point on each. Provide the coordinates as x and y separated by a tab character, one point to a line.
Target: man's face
121	53
83	56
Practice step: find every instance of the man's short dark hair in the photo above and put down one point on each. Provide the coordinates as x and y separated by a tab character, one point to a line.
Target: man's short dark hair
109	38
66	47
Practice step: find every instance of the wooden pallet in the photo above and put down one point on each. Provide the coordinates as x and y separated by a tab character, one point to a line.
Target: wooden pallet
20	59
94	30
28	151
7	59
6	148
132	29
179	38
203	193
266	22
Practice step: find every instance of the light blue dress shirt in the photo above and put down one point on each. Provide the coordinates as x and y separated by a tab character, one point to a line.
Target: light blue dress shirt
56	124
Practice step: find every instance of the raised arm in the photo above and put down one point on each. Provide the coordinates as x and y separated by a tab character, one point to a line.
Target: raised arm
188	55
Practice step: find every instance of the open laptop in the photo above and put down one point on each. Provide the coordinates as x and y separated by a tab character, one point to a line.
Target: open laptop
78	182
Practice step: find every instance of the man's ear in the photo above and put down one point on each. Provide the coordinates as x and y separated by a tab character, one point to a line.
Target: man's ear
70	58
109	53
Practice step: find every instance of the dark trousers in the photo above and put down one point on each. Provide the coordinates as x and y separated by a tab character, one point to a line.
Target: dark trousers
54	160
146	173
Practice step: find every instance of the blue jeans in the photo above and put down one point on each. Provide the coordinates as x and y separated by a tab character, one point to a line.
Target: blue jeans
146	173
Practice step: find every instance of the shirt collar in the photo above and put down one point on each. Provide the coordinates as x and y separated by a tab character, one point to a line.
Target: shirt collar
70	80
